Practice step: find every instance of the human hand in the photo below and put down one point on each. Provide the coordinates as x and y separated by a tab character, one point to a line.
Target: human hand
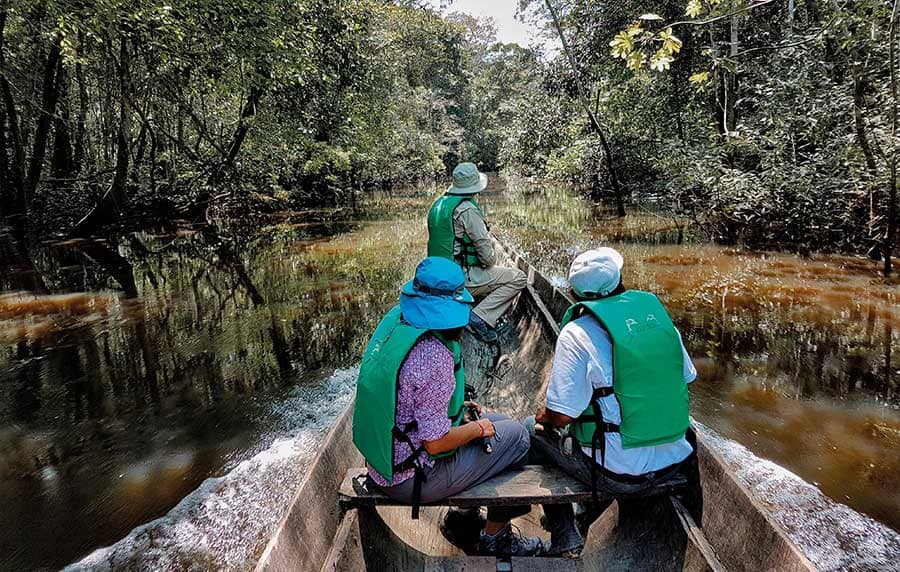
474	410
485	428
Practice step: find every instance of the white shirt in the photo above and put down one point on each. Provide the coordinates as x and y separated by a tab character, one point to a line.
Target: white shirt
583	361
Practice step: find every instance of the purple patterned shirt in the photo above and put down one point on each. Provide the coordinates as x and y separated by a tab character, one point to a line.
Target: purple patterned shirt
426	384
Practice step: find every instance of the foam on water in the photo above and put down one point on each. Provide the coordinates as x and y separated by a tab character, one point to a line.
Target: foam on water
226	521
832	535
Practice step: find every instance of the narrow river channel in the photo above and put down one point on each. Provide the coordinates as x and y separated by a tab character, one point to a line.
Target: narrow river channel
185	381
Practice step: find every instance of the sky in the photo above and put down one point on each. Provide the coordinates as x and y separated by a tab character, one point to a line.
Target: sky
509	30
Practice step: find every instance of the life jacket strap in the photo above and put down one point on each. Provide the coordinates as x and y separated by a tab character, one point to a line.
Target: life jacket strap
418	479
402	436
411	462
603	426
468	254
600	392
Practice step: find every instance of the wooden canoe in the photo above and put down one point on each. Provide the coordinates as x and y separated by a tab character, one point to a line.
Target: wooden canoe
316	534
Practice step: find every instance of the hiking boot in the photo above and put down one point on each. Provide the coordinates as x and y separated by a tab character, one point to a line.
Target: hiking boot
509	543
566	540
503	326
480	329
461	528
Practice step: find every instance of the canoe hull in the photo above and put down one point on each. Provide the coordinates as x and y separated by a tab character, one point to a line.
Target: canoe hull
632	535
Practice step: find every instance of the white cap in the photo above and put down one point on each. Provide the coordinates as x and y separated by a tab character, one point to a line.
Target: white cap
596	273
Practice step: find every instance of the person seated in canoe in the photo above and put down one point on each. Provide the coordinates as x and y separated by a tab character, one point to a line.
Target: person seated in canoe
410	415
457	231
619	383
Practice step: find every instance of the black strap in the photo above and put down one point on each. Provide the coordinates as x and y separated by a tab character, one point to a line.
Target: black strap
601	428
411	462
601	425
418	479
417	285
600	392
597	436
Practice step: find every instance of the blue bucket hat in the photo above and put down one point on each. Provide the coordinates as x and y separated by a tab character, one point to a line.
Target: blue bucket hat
436	299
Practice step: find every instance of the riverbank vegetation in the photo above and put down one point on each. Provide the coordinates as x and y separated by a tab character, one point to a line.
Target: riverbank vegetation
115	109
769	124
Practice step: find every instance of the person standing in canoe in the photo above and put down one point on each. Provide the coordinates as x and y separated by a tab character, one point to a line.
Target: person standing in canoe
409	418
457	231
619	383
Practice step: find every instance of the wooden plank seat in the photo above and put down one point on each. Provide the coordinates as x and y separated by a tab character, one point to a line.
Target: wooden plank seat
531	484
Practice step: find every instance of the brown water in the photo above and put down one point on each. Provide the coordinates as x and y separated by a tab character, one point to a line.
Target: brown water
157	361
799	358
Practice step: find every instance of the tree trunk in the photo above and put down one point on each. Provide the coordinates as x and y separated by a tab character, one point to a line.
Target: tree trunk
79	151
198	210
110	205
14	204
731	83
62	163
718	93
595	124
45	119
859	106
892	185
862	139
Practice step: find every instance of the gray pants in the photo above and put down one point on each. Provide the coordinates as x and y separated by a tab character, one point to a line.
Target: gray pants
499	285
470	465
545	449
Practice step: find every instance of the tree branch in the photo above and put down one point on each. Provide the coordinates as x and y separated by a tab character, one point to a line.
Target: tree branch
722	17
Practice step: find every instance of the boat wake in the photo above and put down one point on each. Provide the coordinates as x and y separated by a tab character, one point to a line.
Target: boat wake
832	535
226	522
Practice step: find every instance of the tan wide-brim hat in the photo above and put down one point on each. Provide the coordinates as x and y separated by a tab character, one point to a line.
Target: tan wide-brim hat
467	180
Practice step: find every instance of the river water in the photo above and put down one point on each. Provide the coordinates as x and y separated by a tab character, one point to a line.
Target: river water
168	392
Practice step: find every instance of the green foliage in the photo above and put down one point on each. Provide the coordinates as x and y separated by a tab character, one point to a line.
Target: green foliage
314	100
769	127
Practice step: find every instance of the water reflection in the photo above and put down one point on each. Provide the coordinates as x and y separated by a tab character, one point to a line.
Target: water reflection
150	363
132	370
797	356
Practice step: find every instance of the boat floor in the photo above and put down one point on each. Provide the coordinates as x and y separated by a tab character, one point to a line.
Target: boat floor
642	534
633	534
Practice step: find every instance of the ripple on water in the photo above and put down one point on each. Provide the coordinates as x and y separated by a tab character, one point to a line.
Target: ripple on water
226	521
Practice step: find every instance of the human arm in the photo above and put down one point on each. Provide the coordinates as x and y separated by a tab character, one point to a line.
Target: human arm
431	365
477	231
569	390
550	418
459	436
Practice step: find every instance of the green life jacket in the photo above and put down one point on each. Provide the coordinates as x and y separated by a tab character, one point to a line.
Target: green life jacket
648	374
442	239
375	427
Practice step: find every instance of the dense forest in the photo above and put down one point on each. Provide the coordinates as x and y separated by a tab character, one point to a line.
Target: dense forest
768	123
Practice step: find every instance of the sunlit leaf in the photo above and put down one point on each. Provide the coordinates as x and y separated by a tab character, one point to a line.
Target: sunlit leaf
699	77
694	8
661	61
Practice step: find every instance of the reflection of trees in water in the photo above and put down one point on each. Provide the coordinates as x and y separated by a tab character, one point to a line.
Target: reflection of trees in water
192	329
811	359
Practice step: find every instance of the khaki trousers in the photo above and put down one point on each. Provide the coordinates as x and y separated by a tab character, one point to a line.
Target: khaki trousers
499	286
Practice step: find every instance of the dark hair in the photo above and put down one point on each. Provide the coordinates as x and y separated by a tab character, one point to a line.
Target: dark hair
615	292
